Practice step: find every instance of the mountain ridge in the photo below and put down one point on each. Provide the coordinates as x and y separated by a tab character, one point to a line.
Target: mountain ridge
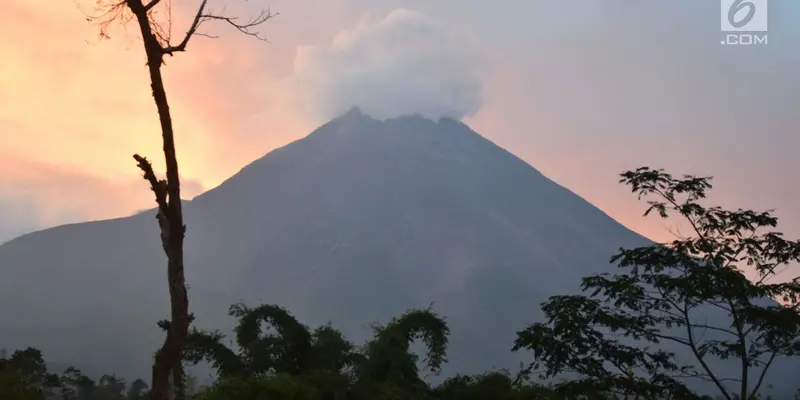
354	136
353	224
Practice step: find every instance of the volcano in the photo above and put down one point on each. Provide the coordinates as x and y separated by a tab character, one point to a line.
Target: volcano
353	224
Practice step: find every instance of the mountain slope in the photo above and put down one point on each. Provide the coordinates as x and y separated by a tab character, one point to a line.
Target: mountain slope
353	224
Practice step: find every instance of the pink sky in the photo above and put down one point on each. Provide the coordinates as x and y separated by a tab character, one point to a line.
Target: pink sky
580	104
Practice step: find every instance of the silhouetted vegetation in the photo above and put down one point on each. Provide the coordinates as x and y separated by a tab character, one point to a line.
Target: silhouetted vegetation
24	376
294	362
616	338
612	341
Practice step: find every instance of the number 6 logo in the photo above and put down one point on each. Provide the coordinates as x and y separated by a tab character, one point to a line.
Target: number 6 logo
737	6
744	15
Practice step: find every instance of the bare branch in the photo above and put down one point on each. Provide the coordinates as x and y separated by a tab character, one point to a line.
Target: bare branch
151	4
247	28
210	36
693	347
106	14
704	377
763	373
712	328
159	187
198	19
162	33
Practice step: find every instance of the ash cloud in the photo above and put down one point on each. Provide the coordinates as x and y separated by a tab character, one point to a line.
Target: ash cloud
406	63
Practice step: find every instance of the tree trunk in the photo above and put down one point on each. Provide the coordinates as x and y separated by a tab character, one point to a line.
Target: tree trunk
179	382
170	216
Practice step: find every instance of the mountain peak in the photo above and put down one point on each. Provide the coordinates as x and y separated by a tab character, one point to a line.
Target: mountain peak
360	220
355	114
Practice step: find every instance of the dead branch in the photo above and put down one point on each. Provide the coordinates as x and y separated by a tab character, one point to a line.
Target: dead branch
247	28
156	41
105	14
149	6
159	187
198	19
110	11
206	35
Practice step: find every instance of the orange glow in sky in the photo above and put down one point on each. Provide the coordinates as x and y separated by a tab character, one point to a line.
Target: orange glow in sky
74	108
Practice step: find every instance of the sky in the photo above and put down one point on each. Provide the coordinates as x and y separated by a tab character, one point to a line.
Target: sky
580	89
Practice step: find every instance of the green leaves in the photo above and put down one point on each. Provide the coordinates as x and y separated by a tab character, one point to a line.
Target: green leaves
207	346
323	360
24	376
283	387
288	351
332	351
491	385
388	355
384	368
609	339
291	350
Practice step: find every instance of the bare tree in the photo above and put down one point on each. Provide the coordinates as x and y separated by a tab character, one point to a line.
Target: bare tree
156	30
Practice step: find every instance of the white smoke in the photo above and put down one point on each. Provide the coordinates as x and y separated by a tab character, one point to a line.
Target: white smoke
404	64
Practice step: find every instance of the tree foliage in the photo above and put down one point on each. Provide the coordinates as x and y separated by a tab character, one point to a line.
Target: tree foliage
614	337
24	376
292	362
388	356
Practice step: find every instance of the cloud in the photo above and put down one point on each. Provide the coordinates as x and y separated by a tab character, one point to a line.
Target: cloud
69	98
406	63
39	195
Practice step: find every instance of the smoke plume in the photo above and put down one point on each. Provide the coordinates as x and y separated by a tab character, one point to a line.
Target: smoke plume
403	64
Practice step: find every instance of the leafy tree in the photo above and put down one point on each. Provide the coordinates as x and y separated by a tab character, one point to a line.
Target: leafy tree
658	296
332	351
74	385
388	356
24	376
323	360
137	390
77	386
110	387
336	371
156	38
12	386
286	351
290	362
491	385
279	387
